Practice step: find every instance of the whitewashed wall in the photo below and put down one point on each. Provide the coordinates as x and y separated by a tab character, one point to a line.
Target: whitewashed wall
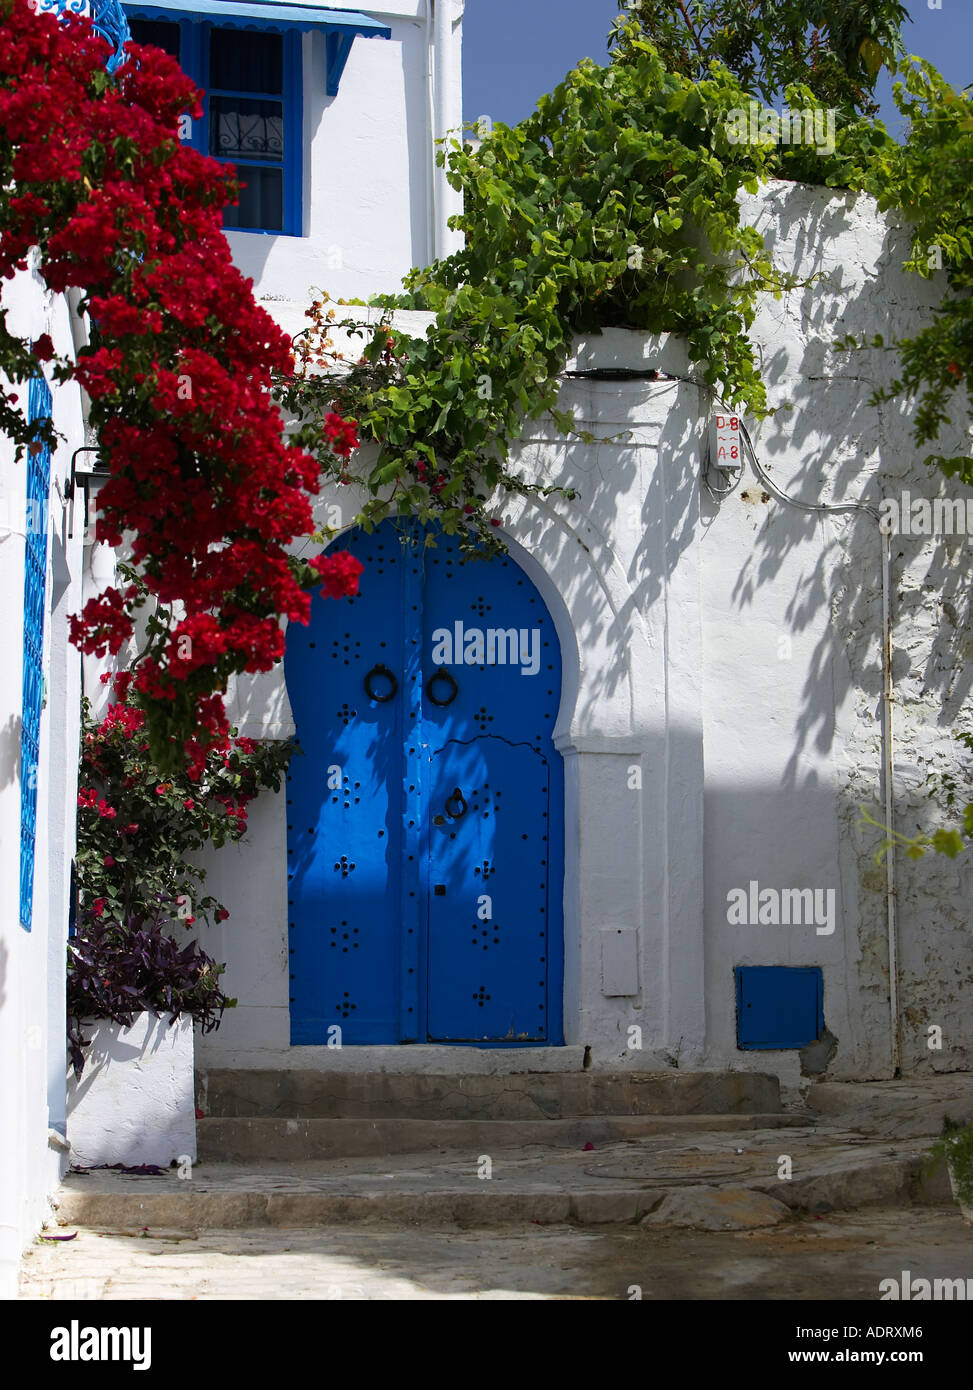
373	197
732	652
32	1028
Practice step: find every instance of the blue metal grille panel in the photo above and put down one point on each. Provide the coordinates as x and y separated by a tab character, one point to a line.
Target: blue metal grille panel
35	582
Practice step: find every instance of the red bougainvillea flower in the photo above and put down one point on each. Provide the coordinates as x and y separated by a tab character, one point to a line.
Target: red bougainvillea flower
204	488
123	717
343	434
221	914
339	573
87	797
954	369
108	861
98	906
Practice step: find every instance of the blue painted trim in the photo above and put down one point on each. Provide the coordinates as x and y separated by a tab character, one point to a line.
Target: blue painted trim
107	19
191	62
555	910
276	18
35	601
292	165
338	50
293	134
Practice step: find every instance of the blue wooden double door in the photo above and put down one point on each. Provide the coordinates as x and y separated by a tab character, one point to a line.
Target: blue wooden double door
425	803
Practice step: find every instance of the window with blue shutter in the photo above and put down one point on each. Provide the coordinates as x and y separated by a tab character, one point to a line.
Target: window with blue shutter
35	598
252	112
246	56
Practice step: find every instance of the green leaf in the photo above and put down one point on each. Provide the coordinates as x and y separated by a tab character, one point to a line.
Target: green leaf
947	842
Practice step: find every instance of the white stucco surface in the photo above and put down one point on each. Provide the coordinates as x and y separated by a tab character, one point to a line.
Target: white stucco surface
133	1102
32	1029
729	654
374	202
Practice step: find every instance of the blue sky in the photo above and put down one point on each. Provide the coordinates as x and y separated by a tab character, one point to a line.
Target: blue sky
515	50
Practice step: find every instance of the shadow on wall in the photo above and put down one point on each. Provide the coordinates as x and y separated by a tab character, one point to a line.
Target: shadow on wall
834	447
10	749
839	449
817	576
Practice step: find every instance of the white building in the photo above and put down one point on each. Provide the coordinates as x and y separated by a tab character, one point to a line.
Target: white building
687	701
720	720
42	523
349	195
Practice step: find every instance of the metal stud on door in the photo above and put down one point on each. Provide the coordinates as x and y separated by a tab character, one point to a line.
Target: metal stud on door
348	685
488	954
495	804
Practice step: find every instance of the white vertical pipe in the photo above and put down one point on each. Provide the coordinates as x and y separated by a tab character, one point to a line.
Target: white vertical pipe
888	778
447	117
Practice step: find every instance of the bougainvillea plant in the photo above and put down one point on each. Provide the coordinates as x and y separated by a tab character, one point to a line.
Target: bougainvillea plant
98	192
139	831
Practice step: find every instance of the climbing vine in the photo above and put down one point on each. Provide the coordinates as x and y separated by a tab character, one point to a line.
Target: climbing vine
617	204
614	204
929	179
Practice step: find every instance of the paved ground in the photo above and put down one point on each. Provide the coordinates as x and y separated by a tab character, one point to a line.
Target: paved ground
555	1220
841	1256
831	1170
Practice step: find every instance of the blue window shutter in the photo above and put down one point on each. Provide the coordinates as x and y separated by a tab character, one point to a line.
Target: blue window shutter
779	1007
35	598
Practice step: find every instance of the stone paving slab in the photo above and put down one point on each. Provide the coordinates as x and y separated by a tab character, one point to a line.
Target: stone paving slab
617	1182
841	1256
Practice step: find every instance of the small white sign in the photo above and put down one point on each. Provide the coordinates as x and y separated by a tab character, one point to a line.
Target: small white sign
728	447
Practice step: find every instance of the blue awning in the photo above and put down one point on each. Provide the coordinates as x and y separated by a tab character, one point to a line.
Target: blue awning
340	26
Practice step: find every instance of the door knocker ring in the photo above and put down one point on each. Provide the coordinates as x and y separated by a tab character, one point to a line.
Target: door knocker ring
384	671
441	674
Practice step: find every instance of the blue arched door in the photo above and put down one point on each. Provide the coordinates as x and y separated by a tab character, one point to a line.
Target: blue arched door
425	803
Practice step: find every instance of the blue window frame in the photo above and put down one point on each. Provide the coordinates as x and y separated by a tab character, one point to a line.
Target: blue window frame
35	599
252	112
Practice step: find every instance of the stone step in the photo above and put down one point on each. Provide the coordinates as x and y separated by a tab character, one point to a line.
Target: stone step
301	1093
903	1109
258	1138
620	1182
